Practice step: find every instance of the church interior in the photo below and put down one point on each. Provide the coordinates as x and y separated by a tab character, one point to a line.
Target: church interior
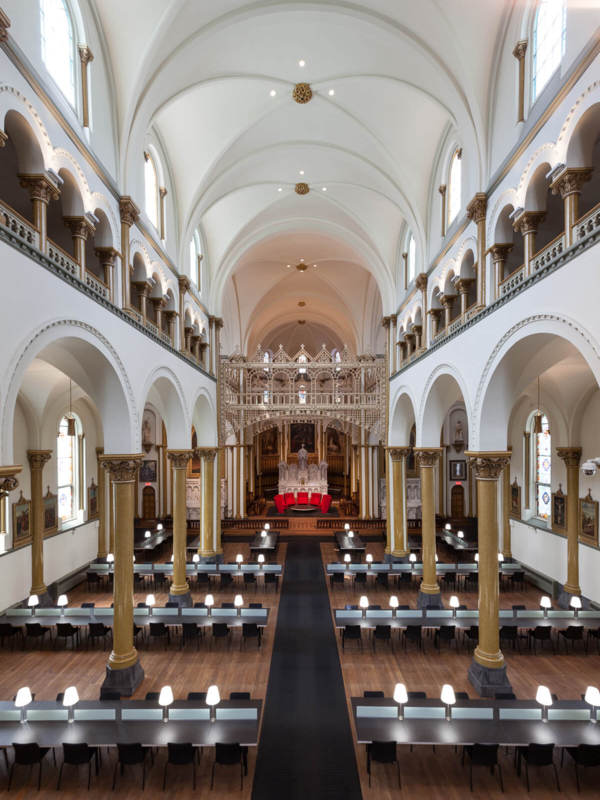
299	398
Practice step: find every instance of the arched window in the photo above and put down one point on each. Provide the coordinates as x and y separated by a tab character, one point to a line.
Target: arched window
411	259
58	45
549	35
196	262
302	359
67	455
151	199
542	467
455	186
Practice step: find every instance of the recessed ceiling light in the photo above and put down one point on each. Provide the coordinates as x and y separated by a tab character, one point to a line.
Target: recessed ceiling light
314	266
289	266
272	93
301	172
331	92
302	63
301	259
324	189
280	189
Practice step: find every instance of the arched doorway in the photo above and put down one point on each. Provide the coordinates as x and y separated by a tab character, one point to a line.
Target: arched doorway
149	503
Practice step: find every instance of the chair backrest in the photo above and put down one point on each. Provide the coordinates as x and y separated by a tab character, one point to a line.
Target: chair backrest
374	693
374	608
65	629
190	628
76	753
239	695
462	695
384	752
228	753
32	627
220	628
352	631
249	629
197	696
157	628
141	605
485	754
271	578
152	696
588	755
130	753
540	754
109	694
199	605
180	752
338	577
351	607
171	604
28	753
227	605
249	577
505	696
519	608
88	605
255	605
417	695
97	629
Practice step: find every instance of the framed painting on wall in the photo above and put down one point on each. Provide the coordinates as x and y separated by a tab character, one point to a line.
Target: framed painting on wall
458	470
559	511
21	520
588	519
148	471
92	500
268	442
515	500
302	433
50	512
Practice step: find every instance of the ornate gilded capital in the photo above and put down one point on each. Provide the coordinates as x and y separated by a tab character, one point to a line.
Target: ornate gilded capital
106	255
393	318
427	456
163	192
3	139
447	299
184	284
80	227
385	322
399	453
421	281
302	188
219	323
463	284
207	453
85	54
488	466
477	208
570	181
520	49
8	480
40	187
4	26
499	252
435	312
122	468
37	458
529	221
570	455
179	458
442	189
302	93
158	302
128	210
99	451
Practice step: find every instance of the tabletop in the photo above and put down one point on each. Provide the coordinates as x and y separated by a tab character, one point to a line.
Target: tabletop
435	618
346	542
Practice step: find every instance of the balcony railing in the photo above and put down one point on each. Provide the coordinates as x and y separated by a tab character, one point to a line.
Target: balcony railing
63	260
543	257
19	226
588	224
96	285
514	280
135	315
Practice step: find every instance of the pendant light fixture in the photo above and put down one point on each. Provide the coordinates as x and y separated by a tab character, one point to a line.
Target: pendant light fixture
70	417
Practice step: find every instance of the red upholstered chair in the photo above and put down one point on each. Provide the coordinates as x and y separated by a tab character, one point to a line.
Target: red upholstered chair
315	498
325	503
279	503
289	499
303	498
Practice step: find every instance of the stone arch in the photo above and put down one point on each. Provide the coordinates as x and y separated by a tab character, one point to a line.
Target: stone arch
164	391
11	99
445	387
204	419
402	417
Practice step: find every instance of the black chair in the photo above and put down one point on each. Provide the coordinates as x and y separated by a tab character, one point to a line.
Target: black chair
449	580
226	579
228	605
199	605
412	633
519	607
199	697
27	755
518	577
181	755
572	633
335	577
229	755
373	693
417	695
351	607
220	630
203	579
77	755
250	630
33	630
382	633
462	695
483	755
158	630
98	630
93	581
586	755
137	631
191	632
250	579
60	696
130	755
109	694
382	579
505	696
66	631
403	608
88	605
141	605
8	631
383	753
594	633
541	634
352	633
273	580
171	604
159	580
373	608
255	605
360	577
445	633
471	635
536	755
239	695
152	696
509	634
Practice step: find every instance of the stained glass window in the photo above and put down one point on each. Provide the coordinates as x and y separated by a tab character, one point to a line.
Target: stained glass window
549	36
66	472
302	359
58	45
543	470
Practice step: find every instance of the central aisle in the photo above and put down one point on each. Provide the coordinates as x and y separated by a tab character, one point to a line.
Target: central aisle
305	748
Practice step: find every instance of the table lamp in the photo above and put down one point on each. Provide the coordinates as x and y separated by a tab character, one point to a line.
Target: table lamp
134	558
22	700
263	534
364	604
346	526
592	697
239	560
369	560
62	602
500	557
196	558
400	697
110	559
261	559
33	602
575	603
165	699
454	604
544	698
477	557
238	602
461	535
347	559
447	527
147	534
267	526
70	700
394	604
213	698
172	557
412	558
436	558
150	602
448	698
351	534
209	602
160	526
545	603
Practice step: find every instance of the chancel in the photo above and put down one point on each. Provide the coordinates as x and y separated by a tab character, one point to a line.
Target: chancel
299	398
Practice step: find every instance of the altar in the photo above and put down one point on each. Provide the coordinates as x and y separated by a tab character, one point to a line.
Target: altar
303	477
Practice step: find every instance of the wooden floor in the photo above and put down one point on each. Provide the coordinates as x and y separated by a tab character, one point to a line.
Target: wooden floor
439	775
48	672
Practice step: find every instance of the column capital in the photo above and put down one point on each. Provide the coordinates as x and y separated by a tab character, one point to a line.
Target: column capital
157	302
207	453
421	281
219	322
570	181
399	453
3	139
85	54
184	284
393	318
463	284
99	451
528	221
170	313
570	455
179	458
385	322
447	299
8	480
128	210
107	255
4	26
37	458
122	468
162	191
435	312
80	227
442	189
488	465
520	49
477	208
428	456
500	251
40	187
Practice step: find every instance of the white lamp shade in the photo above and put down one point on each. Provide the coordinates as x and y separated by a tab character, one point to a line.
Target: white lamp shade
110	558
239	558
447	696
447	527
346	526
545	601
543	696
436	557
62	601
364	601
454	601
33	601
196	558
460	535
394	601
261	559
267	526
71	696
500	557
160	526
238	601
150	600
147	534
400	695
212	696
351	534
134	559
165	697
23	697
209	600
172	556
477	557
412	558
347	558
369	558
592	696
575	602
263	534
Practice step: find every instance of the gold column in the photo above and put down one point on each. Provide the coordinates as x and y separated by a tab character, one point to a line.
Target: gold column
488	466
499	253
393	322
107	257
421	285
80	229
527	224
85	57
569	184
527	468
572	456
37	459
429	593
102	551
41	191
396	523
206	548
180	590
8	482
506	542
446	300
129	216
442	191
476	211
124	658
519	54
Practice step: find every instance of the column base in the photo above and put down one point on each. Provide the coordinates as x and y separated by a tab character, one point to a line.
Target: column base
125	680
425	600
564	599
182	600
488	680
396	558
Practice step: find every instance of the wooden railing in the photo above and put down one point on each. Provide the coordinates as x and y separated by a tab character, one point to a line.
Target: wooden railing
255	523
547	254
19	226
337	523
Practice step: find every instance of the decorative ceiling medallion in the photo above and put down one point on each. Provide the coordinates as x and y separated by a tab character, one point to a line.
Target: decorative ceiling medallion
301	267
301	303
302	188
302	93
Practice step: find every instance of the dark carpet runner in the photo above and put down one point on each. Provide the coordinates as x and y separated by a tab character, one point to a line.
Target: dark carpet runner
305	748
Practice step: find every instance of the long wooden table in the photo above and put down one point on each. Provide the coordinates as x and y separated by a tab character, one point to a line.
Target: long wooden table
191	569
349	544
265	544
152	542
442	568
